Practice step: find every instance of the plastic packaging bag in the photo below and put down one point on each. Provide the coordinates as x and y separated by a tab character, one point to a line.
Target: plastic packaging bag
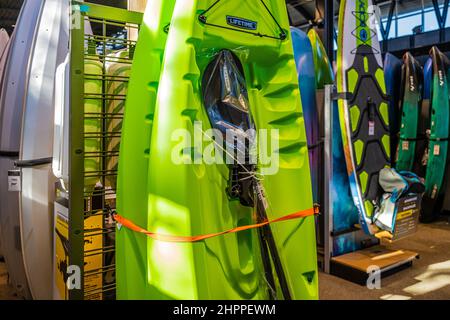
226	102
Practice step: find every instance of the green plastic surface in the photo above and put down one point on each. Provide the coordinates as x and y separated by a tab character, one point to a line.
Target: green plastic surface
410	113
322	65
132	197
190	199
439	129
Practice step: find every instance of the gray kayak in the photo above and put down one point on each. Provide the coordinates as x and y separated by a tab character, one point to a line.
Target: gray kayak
4	48
11	109
50	49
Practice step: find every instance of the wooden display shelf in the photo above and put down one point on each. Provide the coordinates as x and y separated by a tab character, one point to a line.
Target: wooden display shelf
354	266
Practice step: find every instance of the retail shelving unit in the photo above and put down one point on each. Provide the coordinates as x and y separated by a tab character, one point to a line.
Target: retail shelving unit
88	236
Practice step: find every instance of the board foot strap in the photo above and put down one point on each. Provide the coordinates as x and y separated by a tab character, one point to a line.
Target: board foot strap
183	239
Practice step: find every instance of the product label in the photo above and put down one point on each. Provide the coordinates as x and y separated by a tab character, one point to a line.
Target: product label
371	128
14	181
404	214
61	245
110	194
434	192
412	86
61	211
437	150
405	145
408	216
242	23
425	157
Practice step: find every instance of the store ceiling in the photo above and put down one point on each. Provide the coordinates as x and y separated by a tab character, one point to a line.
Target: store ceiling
9	11
300	11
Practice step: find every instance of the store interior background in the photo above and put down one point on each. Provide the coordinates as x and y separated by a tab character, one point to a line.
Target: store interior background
410	26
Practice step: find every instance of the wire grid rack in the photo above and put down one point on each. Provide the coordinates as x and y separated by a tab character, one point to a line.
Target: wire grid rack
104	75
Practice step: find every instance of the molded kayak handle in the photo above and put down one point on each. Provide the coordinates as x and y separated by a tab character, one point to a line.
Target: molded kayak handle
9	154
33	163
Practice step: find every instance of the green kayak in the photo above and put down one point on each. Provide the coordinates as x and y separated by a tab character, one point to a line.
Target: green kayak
131	248
187	195
411	104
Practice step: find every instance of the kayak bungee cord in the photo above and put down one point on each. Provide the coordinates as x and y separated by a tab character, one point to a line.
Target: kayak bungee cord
233	21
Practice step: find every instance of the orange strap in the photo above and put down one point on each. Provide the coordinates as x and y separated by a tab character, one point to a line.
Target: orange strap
169	238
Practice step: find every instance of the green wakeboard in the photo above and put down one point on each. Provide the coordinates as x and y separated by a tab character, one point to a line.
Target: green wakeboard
410	106
363	105
439	135
190	198
131	248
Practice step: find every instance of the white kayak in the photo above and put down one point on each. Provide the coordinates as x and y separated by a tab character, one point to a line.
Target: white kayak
11	108
50	49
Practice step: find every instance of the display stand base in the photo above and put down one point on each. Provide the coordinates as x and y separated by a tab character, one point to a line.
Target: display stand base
356	266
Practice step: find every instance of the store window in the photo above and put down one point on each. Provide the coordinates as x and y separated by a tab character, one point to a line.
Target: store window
407	23
447	23
392	31
431	22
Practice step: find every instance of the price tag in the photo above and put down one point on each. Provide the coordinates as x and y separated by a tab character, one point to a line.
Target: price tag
405	145
110	194
437	150
371	128
14	181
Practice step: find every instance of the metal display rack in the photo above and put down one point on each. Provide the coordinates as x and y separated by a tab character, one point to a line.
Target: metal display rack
353	260
331	233
87	202
332	237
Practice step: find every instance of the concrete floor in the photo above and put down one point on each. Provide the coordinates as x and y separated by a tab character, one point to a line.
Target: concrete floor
428	278
6	291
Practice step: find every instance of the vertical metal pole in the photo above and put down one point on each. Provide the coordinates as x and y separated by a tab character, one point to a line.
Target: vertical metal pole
396	21
105	133
423	16
329	29
329	32
328	174
441	18
437	11
392	7
385	31
445	13
76	158
325	9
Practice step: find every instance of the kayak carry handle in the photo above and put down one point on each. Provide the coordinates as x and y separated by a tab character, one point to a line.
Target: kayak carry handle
33	163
